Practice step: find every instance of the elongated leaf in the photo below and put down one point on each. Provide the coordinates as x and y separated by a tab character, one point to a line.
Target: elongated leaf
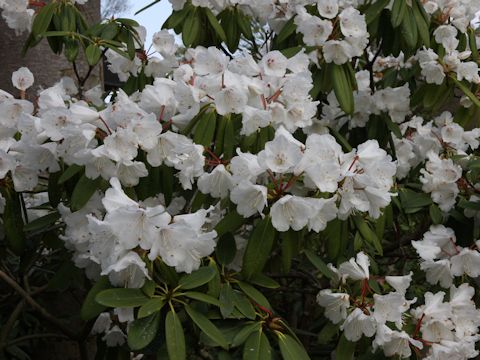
90	308
264	281
342	88
319	264
207	327
230	223
175	337
13	220
243	305
254	294
83	192
243	334
472	43
399	9
259	248
226	249
345	349
141	332
42	222
121	297
227	298
197	278
229	138
422	24
409	29
151	306
191	28
93	54
374	10
146	7
205	129
466	90
257	347
287	30
291	349
215	25
367	233
202	297
42	19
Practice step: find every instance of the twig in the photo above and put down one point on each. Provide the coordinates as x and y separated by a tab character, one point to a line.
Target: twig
49	317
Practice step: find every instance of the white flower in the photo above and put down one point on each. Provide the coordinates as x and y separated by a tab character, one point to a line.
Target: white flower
327	8
335	304
164	43
22	79
282	154
390	307
129	271
231	99
217	183
337	51
274	63
356	269
290	212
438	272
352	23
249	198
323	210
467	262
400	283
358	324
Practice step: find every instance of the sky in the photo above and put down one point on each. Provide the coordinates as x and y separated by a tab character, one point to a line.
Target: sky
152	18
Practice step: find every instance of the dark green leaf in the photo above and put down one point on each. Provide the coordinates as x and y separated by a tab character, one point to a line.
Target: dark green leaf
83	192
42	222
215	25
345	349
257	347
243	334
264	281
374	10
191	28
197	278
319	264
259	248
255	295
287	30
150	307
90	308
174	337
291	349
202	297
399	9
226	249
243	305
342	88
120	297
141	332
230	223
207	327
43	18
205	129
93	54
226	300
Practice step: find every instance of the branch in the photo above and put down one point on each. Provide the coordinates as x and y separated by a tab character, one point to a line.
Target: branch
49	317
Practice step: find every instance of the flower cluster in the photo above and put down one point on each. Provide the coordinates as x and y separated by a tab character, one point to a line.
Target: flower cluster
441	329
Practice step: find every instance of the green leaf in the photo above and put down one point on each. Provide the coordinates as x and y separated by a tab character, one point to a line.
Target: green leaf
342	88
141	332
176	18
93	54
13	220
174	337
412	201
90	308
146	7
259	248
291	349
151	306
289	247
264	281
191	28
202	297
207	327
243	305
83	191
319	264
245	24
465	90
422	24
215	25
205	129
232	31
197	278
409	29
367	233
254	294
120	297
229	138
473	43
230	223
42	20
288	29
435	214
374	10
42	222
226	300
257	347
399	9
226	249
345	349
243	334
